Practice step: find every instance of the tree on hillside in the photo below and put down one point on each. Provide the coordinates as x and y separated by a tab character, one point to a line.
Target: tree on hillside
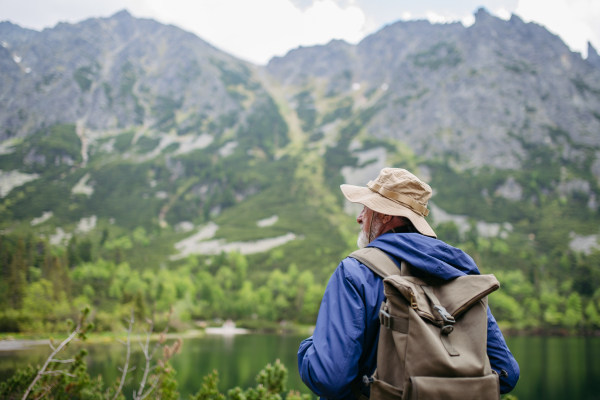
16	275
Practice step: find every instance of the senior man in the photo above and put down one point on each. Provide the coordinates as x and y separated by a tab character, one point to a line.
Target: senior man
343	347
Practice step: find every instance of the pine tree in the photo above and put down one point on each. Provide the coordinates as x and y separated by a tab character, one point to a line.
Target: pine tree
58	278
72	253
17	271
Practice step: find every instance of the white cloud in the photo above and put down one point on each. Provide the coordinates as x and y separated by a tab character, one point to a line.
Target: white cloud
253	30
575	21
468	20
435	18
502	13
256	30
259	29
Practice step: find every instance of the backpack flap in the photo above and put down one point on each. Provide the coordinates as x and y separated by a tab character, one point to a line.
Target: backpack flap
456	295
463	292
410	289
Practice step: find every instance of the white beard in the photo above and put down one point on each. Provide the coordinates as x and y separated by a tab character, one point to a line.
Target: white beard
362	241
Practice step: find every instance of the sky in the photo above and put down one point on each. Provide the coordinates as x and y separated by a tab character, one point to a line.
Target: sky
257	30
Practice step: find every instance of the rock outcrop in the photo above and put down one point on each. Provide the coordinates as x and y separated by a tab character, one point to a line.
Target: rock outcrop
478	93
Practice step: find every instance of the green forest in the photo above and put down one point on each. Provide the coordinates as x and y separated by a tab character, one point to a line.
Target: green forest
546	287
42	286
271	157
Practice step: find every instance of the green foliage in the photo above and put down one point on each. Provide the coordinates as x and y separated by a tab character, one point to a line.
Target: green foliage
235	74
265	128
223	122
84	76
108	93
343	110
146	144
193	124
34	286
164	110
306	110
520	67
439	55
74	382
61	140
39	297
584	87
270	385
127	97
167	387
209	389
123	141
78	252
339	156
128	79
54	381
59	386
339	83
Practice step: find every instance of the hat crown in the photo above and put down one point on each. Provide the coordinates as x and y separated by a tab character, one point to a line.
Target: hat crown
401	181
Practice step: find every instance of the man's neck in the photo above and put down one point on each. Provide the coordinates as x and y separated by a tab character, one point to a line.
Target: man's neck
401	229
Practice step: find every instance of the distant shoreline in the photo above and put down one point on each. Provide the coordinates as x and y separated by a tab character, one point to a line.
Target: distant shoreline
15	342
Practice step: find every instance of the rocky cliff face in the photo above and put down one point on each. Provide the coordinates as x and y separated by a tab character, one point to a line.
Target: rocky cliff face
474	93
113	73
138	126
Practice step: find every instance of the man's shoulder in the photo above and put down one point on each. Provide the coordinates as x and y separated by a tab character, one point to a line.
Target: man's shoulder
356	272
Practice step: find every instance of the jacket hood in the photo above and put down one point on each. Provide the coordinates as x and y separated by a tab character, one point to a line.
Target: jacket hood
427	255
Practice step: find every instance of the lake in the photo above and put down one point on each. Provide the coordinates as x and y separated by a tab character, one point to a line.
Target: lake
552	368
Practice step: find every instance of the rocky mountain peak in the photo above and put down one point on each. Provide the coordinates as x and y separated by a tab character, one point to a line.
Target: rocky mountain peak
593	58
482	15
12	35
453	88
112	73
123	15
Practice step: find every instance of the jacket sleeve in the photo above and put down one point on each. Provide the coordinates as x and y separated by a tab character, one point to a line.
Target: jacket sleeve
500	356
328	361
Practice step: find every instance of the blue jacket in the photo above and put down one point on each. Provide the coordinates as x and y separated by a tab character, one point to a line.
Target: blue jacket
343	347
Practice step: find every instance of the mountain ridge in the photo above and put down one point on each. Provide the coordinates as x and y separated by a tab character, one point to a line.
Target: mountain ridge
129	145
529	66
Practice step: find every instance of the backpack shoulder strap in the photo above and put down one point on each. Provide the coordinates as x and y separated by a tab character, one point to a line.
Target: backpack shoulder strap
377	261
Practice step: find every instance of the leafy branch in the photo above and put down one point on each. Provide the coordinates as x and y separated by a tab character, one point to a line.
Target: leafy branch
79	331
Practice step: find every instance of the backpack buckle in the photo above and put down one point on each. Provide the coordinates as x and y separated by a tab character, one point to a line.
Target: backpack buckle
446	316
384	317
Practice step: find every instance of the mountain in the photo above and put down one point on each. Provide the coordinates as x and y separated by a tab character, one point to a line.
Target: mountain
474	93
134	122
131	141
112	73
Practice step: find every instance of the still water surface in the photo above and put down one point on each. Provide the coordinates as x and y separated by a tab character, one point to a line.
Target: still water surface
551	368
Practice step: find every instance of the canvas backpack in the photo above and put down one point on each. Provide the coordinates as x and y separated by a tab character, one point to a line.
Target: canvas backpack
433	335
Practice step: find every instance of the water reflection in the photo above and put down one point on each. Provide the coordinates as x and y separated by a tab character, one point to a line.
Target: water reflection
551	368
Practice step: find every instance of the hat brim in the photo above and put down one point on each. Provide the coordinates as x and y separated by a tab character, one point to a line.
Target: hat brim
383	205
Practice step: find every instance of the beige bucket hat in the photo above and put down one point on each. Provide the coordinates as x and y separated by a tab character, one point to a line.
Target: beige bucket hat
395	192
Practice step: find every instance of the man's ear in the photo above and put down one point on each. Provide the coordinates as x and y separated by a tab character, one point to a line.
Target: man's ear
386	218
